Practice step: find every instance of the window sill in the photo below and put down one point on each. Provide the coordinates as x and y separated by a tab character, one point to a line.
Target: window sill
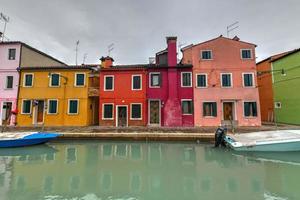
202	87
107	118
154	87
73	113
186	86
250	117
187	114
136	119
209	117
79	86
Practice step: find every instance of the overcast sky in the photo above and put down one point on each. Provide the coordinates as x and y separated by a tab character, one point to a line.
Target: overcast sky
138	27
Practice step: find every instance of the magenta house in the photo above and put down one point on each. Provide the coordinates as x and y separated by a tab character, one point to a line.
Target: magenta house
14	54
170	90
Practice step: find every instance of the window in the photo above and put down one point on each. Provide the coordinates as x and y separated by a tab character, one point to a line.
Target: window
79	79
246	53
71	155
136	111
26	107
250	109
248	80
9	82
155	80
210	109
108	83
187	107
186	79
136	82
52	106
201	80
108	111
11	54
226	80
73	106
54	80
28	80
277	104
206	55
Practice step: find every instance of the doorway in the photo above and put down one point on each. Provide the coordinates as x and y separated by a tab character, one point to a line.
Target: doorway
154	112
39	111
228	111
121	116
6	113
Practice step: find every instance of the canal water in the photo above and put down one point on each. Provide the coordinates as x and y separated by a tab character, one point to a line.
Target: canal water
94	170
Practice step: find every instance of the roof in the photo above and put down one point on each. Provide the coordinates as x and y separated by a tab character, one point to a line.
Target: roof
162	52
143	66
285	55
221	36
33	49
278	56
71	67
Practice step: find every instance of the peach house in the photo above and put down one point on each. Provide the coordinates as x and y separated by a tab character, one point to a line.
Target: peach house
225	82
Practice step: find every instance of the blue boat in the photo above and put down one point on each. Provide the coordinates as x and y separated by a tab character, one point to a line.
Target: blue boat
25	139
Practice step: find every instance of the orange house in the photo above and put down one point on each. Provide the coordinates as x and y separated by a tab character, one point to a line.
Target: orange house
265	88
122	94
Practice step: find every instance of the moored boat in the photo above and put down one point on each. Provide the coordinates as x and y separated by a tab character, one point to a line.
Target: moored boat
25	139
273	141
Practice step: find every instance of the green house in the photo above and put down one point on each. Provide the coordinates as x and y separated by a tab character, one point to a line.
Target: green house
286	88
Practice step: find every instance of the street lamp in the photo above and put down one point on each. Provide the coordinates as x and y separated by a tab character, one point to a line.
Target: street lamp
282	71
64	77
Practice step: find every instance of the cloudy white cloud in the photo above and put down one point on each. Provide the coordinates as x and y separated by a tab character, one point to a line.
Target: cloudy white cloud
138	27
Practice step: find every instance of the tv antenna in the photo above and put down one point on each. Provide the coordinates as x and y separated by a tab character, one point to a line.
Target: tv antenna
6	20
110	48
77	43
84	58
232	27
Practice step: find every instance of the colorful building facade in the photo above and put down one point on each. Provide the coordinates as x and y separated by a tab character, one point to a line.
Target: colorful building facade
170	90
12	56
278	86
57	96
122	95
225	91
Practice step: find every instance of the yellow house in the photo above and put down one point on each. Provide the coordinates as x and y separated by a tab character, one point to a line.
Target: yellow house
58	96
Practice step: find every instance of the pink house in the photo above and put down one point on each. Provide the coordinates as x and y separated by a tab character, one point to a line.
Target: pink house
9	79
12	56
170	90
225	85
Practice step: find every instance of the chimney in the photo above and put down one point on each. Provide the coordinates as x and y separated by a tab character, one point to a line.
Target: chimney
236	38
172	51
106	62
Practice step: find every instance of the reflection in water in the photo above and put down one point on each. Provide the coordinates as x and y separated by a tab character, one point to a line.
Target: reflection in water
118	170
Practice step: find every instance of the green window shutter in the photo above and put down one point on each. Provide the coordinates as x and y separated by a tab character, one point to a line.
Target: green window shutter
246	109
9	82
108	111
136	82
214	109
136	111
73	107
52	106
55	80
80	80
26	107
28	80
109	83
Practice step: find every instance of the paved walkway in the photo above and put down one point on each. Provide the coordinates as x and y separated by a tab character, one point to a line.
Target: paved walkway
143	136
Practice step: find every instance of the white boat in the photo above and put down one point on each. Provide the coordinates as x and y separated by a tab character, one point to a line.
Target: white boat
274	141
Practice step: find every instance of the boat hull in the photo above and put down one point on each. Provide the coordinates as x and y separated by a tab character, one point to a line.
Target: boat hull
33	139
279	146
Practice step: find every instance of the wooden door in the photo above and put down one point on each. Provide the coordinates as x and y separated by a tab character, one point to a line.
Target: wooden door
154	113
122	116
228	110
40	112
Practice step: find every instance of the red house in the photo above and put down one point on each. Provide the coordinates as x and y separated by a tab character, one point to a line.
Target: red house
122	94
